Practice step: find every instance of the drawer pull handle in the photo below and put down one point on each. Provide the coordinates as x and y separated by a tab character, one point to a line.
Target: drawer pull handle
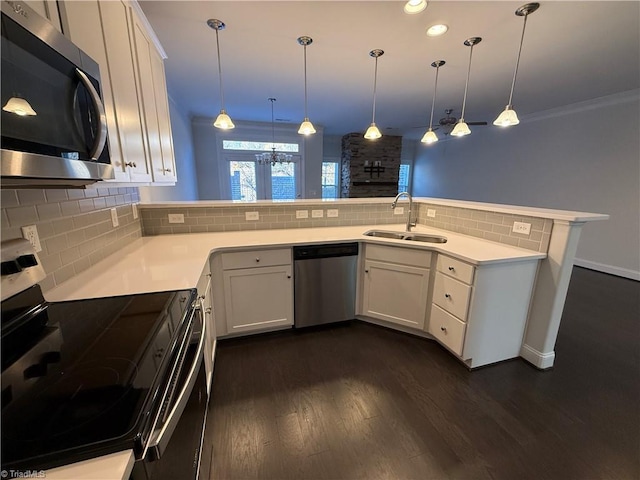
451	269
131	164
444	329
446	295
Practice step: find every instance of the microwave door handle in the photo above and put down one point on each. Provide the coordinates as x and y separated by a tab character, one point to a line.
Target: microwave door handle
160	442
101	137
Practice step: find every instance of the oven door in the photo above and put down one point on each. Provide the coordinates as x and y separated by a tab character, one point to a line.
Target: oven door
174	448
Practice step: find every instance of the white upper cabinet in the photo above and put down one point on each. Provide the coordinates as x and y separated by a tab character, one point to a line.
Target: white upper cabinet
133	85
46	9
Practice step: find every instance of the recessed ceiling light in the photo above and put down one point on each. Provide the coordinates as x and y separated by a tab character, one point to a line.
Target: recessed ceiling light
415	6
437	30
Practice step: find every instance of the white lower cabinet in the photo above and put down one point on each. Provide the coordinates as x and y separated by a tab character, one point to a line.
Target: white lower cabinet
396	285
257	290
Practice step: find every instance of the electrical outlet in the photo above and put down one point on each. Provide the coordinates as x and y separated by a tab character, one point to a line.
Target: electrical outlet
134	210
114	218
302	213
251	216
523	228
176	217
317	213
30	232
431	212
398	211
332	213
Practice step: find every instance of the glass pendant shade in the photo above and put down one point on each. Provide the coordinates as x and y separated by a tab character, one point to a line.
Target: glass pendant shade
223	121
415	6
372	132
461	129
306	127
507	118
429	137
19	106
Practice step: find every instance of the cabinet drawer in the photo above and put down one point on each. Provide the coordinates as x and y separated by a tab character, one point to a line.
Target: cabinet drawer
256	258
451	295
399	255
447	329
455	268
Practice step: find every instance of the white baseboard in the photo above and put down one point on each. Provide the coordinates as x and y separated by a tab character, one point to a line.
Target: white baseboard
613	270
536	358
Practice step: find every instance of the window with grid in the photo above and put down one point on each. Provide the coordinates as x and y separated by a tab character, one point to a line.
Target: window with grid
403	178
330	179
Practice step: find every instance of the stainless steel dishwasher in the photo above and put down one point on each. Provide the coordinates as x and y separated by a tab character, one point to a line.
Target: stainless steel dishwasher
325	283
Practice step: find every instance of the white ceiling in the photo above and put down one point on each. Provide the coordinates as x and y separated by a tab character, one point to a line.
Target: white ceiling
573	51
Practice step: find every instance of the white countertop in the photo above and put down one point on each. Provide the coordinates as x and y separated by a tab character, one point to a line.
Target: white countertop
115	466
175	262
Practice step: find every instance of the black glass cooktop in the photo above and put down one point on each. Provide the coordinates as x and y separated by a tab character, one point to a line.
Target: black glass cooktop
78	378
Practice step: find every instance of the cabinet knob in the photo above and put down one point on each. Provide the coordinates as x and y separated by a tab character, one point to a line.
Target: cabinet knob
366	270
444	329
288	276
257	259
130	164
451	269
208	310
446	295
166	170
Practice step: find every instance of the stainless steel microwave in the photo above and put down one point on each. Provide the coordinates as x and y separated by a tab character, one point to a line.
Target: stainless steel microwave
53	126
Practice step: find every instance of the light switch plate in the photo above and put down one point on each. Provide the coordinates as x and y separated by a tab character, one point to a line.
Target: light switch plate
431	212
251	216
302	213
114	218
521	227
332	213
317	213
398	211
176	218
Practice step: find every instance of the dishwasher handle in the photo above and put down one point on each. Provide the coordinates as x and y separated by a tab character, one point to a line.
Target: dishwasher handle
309	252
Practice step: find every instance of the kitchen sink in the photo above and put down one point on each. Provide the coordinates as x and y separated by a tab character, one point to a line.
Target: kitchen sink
414	237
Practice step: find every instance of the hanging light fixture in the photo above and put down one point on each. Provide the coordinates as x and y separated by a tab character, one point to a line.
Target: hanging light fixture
19	106
223	120
431	137
273	157
509	117
306	127
461	129
415	6
373	132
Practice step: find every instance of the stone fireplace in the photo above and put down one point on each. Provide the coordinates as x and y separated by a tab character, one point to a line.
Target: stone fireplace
370	168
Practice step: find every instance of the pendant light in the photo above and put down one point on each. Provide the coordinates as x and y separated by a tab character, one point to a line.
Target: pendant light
373	132
273	157
461	129
223	121
306	127
415	6
431	137
19	106
509	117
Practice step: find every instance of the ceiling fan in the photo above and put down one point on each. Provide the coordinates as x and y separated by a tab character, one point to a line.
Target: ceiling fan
450	121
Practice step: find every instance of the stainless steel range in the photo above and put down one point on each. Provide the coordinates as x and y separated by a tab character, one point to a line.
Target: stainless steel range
86	378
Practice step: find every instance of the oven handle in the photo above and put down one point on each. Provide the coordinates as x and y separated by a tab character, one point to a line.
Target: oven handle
101	138
161	440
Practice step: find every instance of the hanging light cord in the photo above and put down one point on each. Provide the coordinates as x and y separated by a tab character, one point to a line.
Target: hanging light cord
466	85
219	70
375	81
273	129
433	102
515	73
305	82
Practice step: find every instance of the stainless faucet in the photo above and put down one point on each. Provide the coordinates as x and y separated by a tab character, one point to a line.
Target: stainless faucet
395	201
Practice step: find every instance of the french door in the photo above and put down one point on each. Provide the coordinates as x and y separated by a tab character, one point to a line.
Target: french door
248	181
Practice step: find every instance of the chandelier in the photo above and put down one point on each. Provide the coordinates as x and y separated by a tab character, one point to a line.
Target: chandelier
273	157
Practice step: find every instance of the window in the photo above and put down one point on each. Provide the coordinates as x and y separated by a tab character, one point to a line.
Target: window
403	178
330	179
259	146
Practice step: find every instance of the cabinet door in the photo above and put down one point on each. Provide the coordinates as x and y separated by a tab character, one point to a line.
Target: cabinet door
395	293
46	9
258	298
151	91
118	39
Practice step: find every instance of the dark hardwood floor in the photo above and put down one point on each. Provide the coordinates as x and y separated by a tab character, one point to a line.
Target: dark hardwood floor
361	401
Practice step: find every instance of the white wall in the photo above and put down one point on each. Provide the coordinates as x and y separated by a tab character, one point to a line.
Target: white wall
186	187
207	150
584	157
